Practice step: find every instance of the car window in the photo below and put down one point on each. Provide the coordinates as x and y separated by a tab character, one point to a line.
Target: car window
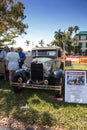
44	53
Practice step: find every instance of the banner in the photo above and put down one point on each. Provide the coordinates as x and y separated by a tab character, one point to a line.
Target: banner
75	59
76	86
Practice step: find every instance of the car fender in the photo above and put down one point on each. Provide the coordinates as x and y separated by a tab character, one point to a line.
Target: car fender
18	73
58	73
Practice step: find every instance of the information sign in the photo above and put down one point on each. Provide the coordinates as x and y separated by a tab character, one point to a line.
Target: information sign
76	86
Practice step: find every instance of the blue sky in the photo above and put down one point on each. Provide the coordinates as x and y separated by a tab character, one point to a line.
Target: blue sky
44	17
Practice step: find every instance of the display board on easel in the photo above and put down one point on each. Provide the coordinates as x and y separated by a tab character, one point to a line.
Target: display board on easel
76	86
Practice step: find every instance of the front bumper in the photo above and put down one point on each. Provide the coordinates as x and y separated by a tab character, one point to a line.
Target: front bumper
36	86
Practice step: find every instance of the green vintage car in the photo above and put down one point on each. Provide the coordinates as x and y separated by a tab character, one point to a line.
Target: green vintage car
45	71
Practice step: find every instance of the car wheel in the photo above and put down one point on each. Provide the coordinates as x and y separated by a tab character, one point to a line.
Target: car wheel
17	89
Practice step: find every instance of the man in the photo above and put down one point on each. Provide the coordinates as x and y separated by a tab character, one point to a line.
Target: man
3	56
4	52
12	62
22	57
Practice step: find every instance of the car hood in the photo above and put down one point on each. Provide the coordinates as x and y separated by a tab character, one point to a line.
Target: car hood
47	64
42	60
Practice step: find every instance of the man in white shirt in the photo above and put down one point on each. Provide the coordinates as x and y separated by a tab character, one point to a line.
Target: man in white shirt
12	62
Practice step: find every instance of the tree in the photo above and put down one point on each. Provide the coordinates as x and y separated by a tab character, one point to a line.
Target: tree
58	36
73	29
70	29
36	46
76	28
27	42
12	42
49	44
41	43
62	39
11	20
65	39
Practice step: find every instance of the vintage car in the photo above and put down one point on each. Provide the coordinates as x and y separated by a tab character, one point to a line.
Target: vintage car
44	72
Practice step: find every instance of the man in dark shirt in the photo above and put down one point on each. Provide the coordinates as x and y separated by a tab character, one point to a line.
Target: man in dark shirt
22	57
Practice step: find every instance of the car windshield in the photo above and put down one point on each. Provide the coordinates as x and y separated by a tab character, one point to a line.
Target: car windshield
44	53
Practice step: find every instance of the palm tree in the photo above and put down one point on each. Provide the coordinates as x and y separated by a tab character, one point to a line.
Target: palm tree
58	37
49	45
70	29
27	43
41	43
58	34
65	39
36	46
76	28
61	38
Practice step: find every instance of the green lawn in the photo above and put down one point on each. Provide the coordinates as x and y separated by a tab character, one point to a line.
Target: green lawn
42	109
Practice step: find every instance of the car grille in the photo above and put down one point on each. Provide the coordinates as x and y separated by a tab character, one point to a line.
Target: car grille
36	72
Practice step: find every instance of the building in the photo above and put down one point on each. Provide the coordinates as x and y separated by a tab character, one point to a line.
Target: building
82	42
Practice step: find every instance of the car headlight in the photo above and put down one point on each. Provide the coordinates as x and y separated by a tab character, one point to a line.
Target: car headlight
24	66
47	66
46	82
47	69
20	80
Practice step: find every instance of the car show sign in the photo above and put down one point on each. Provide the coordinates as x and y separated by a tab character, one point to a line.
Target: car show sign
76	86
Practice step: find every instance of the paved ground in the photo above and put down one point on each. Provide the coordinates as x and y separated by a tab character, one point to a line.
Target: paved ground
4	128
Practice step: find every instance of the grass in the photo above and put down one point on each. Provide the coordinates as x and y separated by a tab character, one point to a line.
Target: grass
42	109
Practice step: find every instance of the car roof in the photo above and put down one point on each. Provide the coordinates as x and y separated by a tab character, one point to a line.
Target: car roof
47	48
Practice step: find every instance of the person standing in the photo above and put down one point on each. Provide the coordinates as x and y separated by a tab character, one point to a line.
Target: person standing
12	62
22	57
3	61
4	52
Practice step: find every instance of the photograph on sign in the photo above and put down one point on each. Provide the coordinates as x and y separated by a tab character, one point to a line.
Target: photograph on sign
75	78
